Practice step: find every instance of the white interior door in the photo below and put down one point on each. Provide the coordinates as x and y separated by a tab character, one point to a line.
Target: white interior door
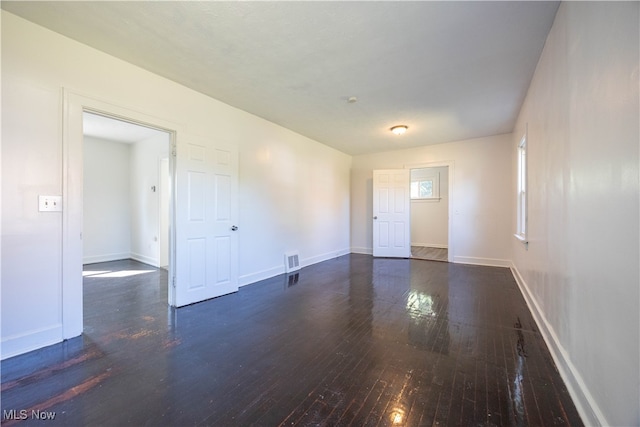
391	213
206	211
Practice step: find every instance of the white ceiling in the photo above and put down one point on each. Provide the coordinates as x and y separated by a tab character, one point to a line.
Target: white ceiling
111	129
448	70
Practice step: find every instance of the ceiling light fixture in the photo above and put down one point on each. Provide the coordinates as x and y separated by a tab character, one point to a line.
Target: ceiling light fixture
399	130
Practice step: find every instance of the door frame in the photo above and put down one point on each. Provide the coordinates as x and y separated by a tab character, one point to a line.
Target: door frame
164	189
73	106
450	166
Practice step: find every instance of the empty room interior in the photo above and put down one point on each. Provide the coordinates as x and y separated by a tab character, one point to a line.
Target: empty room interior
320	213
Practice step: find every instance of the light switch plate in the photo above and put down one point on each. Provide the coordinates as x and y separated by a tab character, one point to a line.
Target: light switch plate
50	203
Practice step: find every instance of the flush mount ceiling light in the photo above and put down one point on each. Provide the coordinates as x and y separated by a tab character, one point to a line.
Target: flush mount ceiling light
399	130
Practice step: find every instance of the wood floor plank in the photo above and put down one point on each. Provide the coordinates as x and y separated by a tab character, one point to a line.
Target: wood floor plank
430	254
351	341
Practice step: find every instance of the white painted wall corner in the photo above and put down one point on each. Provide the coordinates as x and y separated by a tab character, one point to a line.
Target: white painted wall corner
360	250
145	259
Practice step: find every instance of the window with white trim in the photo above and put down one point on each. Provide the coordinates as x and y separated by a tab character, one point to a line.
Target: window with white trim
425	185
521	231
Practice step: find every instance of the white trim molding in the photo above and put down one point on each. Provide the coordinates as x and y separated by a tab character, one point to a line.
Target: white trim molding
323	257
268	273
145	259
92	259
489	262
32	340
522	240
431	245
585	403
360	250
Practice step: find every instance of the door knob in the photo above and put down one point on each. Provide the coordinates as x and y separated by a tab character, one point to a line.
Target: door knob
375	217
234	228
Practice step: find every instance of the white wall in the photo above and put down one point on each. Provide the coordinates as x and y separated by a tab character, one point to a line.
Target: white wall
580	271
293	196
480	192
294	192
106	228
145	202
430	218
121	211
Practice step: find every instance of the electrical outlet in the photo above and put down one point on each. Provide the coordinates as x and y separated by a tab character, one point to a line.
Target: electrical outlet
50	203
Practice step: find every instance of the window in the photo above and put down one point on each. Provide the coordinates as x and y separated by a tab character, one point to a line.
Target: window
425	186
422	189
521	231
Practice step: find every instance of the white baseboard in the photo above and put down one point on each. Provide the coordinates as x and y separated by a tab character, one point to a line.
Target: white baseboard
248	279
324	257
489	262
118	256
31	340
585	403
268	273
431	245
145	259
360	250
92	259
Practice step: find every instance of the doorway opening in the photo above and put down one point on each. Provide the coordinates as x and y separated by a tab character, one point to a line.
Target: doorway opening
126	205
430	213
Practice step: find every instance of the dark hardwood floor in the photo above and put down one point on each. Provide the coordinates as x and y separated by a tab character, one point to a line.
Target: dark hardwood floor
352	341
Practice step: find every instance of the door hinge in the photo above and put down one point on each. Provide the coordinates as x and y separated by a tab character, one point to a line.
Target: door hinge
173	282
174	151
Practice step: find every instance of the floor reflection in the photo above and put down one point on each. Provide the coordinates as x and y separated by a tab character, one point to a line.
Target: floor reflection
291	279
429	328
350	341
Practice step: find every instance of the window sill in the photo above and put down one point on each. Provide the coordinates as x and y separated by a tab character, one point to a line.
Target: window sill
429	199
522	239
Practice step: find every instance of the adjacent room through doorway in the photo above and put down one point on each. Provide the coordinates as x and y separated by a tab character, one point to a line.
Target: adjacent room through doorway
126	204
430	213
